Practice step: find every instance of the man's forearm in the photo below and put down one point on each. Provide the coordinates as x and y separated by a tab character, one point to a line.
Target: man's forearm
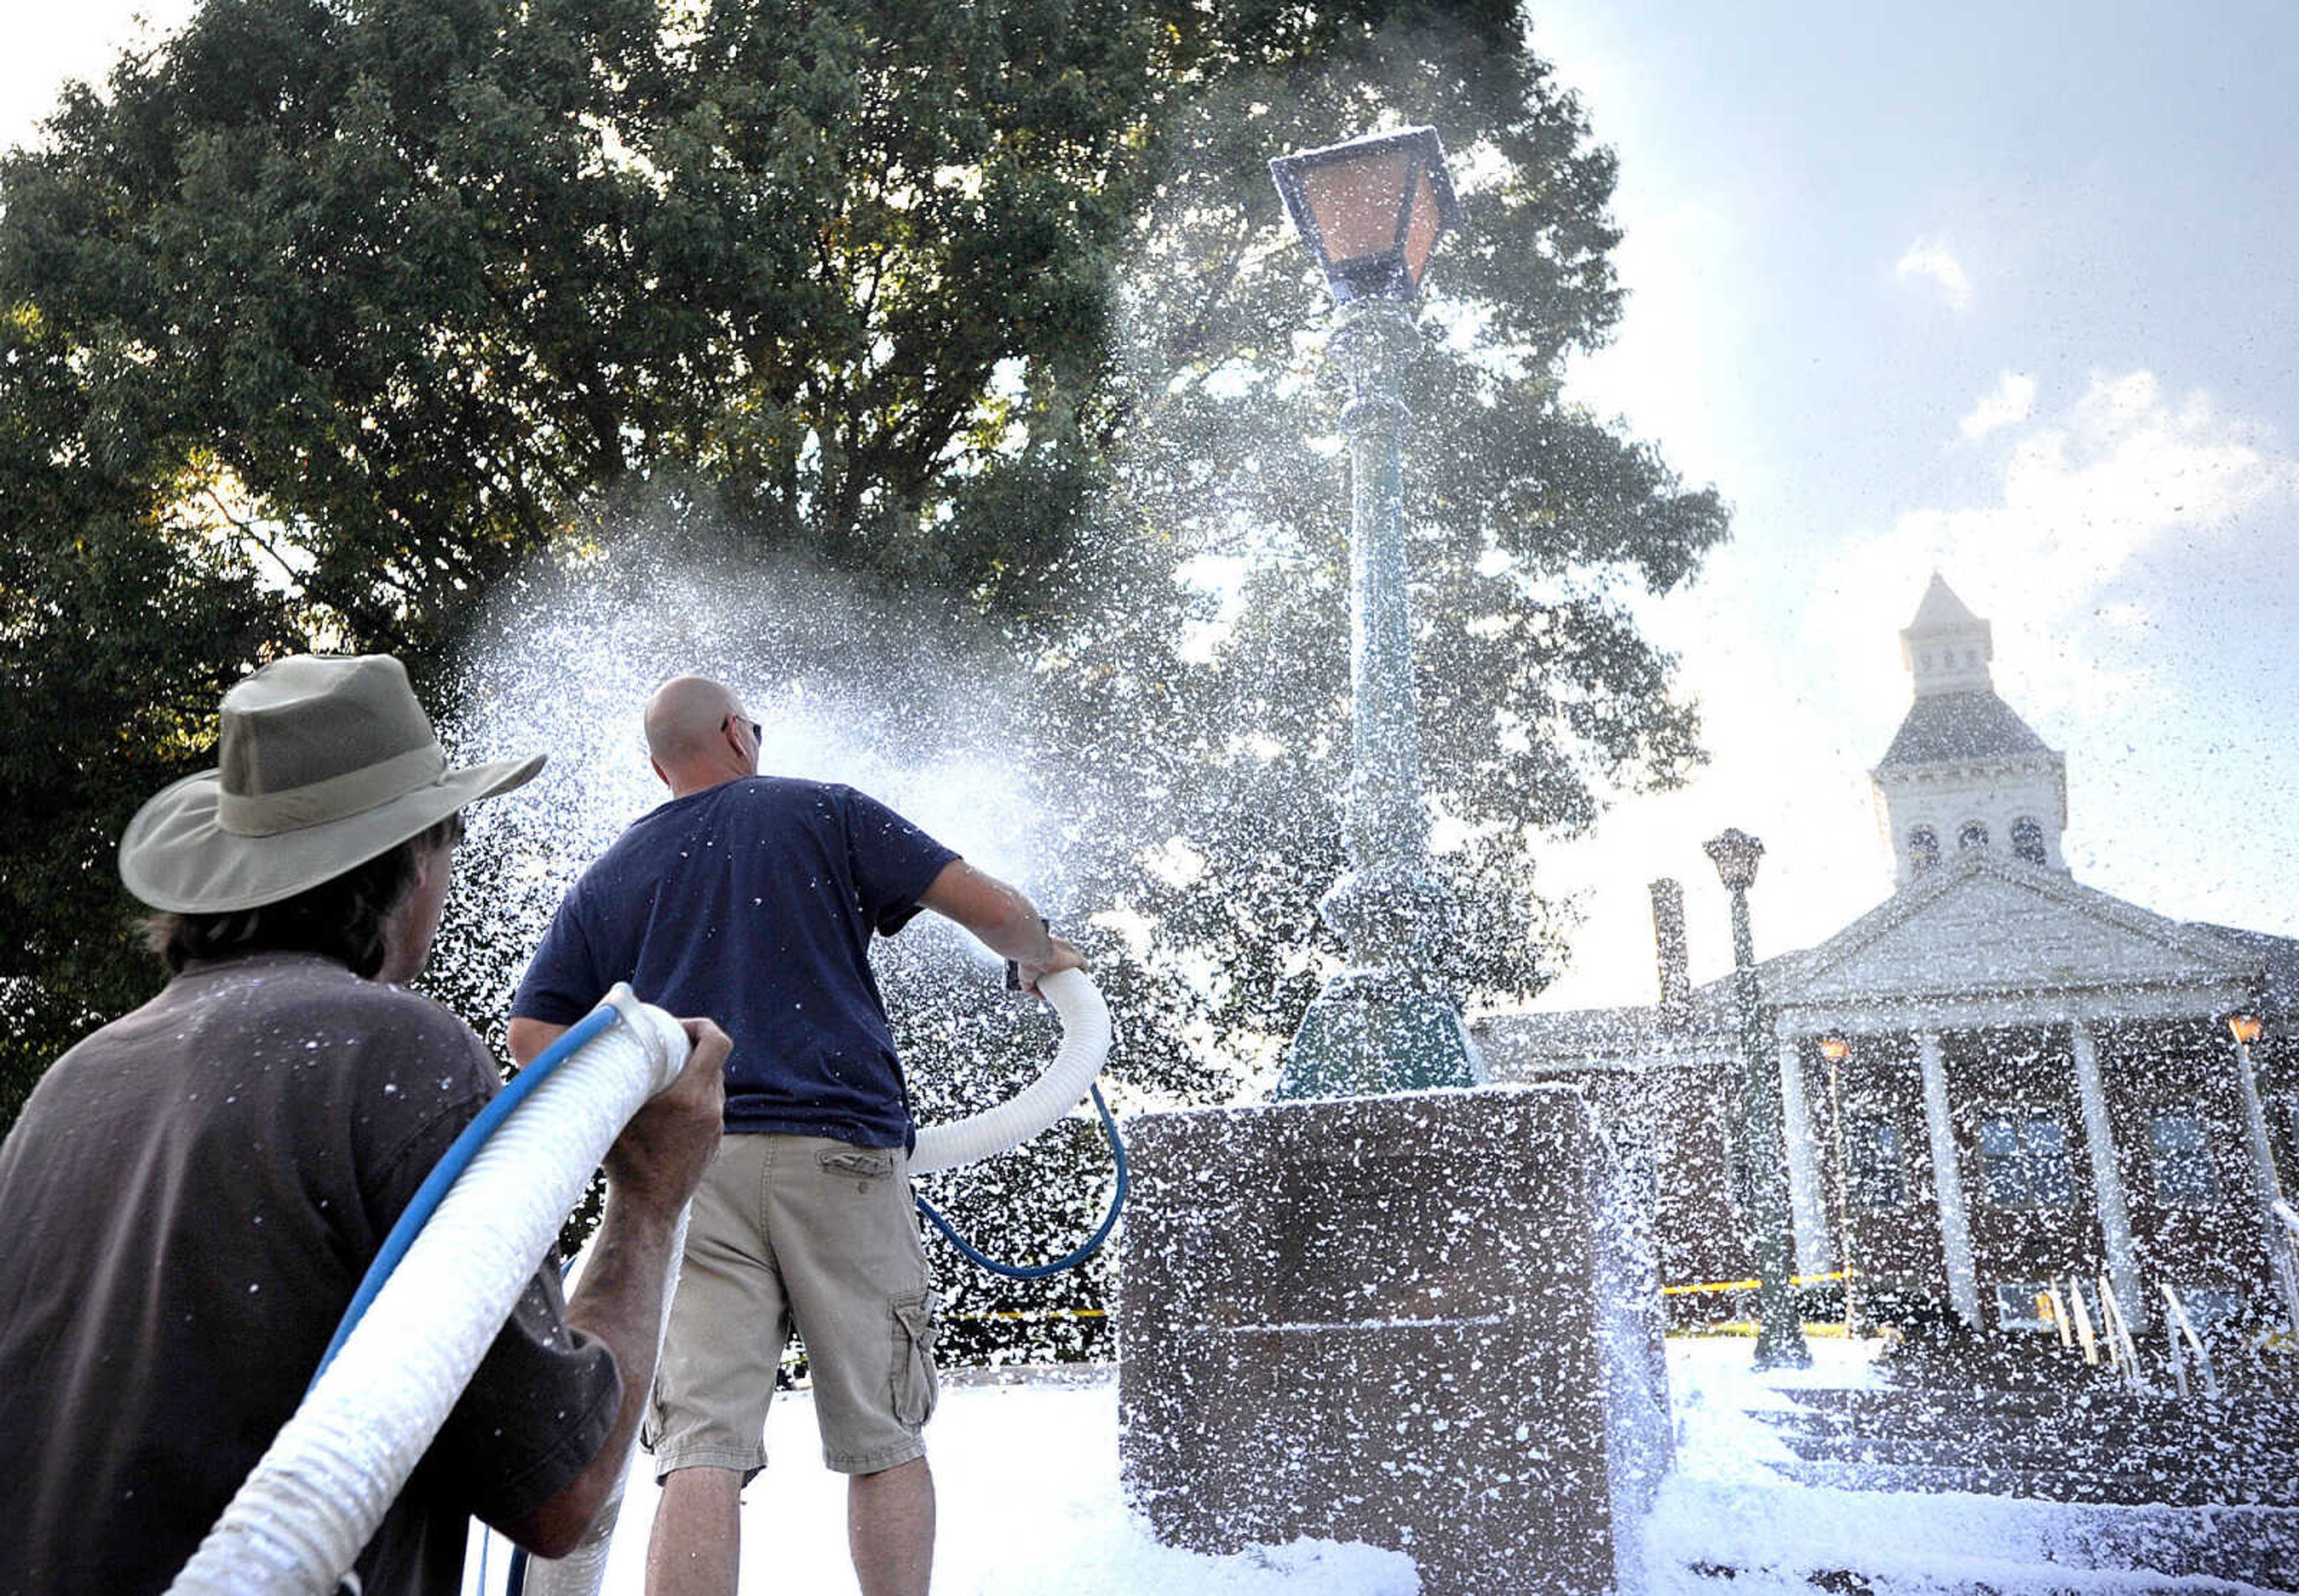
1000	916
1021	936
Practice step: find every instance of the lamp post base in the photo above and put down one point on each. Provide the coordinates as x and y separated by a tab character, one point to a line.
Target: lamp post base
1372	1032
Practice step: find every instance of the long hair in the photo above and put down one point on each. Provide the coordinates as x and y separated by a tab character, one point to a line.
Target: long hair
342	918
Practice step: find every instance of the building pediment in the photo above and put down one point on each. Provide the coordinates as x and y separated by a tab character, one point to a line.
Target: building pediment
1983	923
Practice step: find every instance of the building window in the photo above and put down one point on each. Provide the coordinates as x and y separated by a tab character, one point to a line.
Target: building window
2028	842
2183	1159
1871	1149
1924	848
1973	835
2022	1305
2210	1306
2023	1160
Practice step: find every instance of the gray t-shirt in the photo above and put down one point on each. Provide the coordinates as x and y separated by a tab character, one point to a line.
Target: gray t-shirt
187	1204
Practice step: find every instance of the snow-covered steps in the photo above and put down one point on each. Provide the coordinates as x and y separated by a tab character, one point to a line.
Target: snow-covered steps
2097	1445
1757	1507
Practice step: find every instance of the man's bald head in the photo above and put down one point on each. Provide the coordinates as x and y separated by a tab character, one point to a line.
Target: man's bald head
691	736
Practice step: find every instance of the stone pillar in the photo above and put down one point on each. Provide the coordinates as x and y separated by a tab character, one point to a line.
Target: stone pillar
1421	1321
1947	1181
1670	949
1815	1245
2107	1178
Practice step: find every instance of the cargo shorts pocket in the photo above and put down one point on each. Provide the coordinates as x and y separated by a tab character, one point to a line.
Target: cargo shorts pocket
861	1165
915	1385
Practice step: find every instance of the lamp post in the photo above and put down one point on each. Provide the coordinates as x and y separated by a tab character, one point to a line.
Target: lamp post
1372	210
1779	1333
1836	1049
2246	1030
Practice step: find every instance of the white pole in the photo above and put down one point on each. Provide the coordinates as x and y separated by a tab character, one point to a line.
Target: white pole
1816	1250
2263	1180
1947	1181
2107	1171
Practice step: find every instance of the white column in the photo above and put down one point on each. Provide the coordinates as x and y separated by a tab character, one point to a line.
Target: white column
2107	1178
2265	1186
1815	1246
1947	1182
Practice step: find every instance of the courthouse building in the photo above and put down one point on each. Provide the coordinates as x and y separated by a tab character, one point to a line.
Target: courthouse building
1997	1077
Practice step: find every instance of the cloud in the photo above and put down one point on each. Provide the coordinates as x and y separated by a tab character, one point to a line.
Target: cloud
2011	402
1928	258
2092	498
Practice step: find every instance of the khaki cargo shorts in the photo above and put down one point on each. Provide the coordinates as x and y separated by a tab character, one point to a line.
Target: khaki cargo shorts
807	1232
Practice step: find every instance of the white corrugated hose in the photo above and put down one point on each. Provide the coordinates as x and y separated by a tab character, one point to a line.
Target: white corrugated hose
1061	1087
584	1570
315	1498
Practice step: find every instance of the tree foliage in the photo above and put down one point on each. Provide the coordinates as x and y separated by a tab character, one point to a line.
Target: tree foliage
328	316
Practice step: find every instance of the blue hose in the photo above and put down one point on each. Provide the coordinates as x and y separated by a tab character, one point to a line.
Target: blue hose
452	1163
1092	1243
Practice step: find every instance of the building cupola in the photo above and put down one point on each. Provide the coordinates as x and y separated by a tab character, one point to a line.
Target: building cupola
1965	771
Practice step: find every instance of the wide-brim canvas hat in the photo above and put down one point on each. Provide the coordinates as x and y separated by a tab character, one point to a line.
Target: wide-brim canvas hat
324	761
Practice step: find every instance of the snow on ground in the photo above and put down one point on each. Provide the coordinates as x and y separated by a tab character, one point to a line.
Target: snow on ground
1031	1506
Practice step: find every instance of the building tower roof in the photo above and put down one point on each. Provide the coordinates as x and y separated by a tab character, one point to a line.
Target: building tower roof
1948	727
1956	714
1941	610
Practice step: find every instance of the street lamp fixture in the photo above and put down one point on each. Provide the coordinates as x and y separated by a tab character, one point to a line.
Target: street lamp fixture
2246	1028
1735	854
1371	210
1836	1049
1780	1332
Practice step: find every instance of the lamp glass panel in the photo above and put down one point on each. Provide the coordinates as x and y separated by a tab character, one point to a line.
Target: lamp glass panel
1422	225
1354	203
1735	855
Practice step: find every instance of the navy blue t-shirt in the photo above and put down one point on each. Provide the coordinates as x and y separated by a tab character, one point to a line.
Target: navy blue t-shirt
754	902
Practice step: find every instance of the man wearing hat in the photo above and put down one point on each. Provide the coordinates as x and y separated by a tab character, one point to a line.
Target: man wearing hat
191	1194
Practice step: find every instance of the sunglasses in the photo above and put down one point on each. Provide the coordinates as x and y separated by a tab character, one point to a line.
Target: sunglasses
757	732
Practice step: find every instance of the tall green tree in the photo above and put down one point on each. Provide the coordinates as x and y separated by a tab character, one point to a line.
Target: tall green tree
327	316
330	316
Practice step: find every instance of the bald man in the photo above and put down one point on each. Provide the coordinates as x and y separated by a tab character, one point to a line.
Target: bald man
753	899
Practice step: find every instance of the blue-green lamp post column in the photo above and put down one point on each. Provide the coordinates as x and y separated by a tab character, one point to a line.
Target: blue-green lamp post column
1779	1331
1372	210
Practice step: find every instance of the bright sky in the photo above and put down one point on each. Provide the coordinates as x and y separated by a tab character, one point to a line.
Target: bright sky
2006	290
2002	290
